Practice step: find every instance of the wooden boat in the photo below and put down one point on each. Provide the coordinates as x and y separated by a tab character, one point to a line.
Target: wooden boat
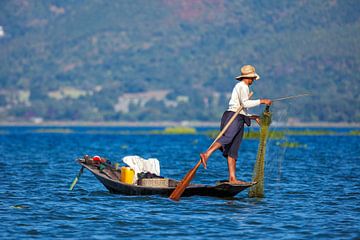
110	179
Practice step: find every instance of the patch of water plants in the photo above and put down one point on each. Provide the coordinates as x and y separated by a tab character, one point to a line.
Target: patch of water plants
53	130
280	134
287	144
175	130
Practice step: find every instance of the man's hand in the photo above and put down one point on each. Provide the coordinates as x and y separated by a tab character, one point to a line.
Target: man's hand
266	101
256	118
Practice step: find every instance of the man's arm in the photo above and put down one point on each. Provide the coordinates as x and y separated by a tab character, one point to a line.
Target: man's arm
255	118
244	98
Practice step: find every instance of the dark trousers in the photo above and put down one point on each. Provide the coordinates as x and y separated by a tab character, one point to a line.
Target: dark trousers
233	136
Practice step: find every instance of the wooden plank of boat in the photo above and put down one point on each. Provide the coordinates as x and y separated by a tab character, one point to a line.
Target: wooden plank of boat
111	182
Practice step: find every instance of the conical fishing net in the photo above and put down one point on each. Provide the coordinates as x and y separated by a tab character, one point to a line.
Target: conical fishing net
258	174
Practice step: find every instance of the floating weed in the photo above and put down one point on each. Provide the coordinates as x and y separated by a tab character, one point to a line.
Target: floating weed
311	132
278	134
272	135
53	130
292	145
180	130
354	133
211	133
108	132
175	130
124	146
250	134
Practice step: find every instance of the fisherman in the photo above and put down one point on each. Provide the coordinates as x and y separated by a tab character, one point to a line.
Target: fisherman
230	142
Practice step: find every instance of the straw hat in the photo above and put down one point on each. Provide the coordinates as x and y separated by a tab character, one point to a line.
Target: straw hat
248	71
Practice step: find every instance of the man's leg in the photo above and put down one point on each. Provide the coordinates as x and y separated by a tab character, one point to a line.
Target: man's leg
226	138
204	156
232	171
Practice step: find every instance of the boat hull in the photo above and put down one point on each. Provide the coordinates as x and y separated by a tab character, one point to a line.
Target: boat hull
112	183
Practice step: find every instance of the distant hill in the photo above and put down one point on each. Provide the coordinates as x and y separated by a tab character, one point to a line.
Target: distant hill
176	60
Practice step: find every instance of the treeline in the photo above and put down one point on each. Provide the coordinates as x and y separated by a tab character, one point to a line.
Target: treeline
192	49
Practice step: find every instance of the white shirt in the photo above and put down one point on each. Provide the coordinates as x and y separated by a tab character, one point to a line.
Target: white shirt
240	97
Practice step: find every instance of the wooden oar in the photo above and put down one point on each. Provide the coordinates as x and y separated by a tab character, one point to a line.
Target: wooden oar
180	188
76	179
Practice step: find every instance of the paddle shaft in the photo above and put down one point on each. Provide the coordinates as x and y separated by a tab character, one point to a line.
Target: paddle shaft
180	188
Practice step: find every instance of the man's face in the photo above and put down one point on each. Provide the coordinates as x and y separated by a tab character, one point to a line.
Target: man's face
249	81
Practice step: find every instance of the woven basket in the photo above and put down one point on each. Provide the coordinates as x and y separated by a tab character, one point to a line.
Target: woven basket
154	182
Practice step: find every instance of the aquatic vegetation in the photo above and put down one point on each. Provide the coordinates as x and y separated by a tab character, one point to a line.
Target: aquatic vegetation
53	130
124	146
109	132
310	132
354	133
292	145
259	169
211	133
250	134
180	130
280	134
272	135
175	130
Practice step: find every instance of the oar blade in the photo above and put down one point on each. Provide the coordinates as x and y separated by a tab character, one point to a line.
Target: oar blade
76	179
180	188
73	183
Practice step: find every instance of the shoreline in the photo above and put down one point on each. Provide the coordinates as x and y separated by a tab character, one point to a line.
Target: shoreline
168	124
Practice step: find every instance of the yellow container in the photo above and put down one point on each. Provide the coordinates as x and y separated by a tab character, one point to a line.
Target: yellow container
127	175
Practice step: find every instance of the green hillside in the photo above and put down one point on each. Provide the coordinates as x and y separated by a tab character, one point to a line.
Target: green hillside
176	60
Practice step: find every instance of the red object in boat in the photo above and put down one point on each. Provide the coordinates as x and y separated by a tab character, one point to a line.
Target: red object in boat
97	159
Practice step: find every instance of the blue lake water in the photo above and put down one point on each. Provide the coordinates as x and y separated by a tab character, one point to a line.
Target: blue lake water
312	192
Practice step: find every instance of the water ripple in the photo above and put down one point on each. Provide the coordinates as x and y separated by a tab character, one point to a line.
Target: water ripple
311	193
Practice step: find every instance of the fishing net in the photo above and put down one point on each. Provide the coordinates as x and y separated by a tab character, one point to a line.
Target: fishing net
258	174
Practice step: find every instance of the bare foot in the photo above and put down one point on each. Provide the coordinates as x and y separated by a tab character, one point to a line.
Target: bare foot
237	182
204	159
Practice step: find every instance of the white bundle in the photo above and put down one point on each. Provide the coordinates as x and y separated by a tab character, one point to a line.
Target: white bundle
139	165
